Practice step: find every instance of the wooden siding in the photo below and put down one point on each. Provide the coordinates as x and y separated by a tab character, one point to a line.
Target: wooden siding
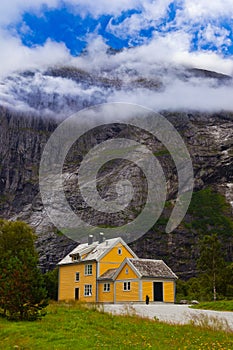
126	296
67	283
169	292
112	259
106	297
147	289
124	275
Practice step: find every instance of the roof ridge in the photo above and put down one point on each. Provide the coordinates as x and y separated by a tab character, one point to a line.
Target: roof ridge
147	259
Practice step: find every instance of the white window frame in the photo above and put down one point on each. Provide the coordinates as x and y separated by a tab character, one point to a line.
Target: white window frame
88	290
77	274
88	269
126	271
119	251
126	286
106	287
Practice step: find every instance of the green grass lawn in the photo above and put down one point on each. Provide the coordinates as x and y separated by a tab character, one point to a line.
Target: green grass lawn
222	305
72	326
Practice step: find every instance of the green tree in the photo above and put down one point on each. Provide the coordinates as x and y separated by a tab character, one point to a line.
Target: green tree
211	264
51	283
22	292
229	281
15	237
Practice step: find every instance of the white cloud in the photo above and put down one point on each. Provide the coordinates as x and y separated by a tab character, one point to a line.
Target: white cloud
214	35
205	9
113	7
131	26
153	59
12	10
152	12
46	94
156	9
168	49
15	56
173	47
205	60
180	95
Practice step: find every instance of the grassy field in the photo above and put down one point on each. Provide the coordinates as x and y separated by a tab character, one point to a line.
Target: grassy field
222	305
72	326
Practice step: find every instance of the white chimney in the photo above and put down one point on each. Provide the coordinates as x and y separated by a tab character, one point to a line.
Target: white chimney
90	239
101	237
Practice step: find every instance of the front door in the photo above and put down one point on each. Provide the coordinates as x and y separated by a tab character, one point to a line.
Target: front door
76	293
158	291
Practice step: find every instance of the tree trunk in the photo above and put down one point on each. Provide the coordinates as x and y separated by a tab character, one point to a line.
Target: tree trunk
214	287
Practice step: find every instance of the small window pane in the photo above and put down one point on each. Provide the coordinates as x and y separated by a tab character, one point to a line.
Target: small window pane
88	290
106	287
126	285
77	277
88	269
119	251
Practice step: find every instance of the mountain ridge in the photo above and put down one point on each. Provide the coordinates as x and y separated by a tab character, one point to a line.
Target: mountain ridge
208	137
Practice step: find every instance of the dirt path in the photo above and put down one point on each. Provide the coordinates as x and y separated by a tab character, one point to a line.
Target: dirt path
171	313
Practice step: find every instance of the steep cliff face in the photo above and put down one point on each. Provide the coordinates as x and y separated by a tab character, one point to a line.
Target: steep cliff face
22	139
209	138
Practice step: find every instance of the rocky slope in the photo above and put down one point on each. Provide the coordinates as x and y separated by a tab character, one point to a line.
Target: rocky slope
209	138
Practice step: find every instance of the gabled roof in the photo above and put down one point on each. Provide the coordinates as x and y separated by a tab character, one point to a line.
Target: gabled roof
152	268
95	251
122	265
143	268
108	275
80	250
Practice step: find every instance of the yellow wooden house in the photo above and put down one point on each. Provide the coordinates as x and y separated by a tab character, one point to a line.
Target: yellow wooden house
108	271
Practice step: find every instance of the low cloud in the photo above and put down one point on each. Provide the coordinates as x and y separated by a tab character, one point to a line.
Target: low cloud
179	95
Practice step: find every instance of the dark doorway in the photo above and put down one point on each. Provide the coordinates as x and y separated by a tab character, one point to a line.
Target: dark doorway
158	291
76	293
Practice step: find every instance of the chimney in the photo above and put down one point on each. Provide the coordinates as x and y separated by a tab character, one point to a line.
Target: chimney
90	239
101	237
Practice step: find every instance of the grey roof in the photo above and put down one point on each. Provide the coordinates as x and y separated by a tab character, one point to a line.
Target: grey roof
108	275
93	251
153	268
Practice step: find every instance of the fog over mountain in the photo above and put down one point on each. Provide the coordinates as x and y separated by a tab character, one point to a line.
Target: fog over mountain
61	91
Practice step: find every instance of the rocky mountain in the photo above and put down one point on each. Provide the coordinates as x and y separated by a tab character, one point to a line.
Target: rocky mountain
32	106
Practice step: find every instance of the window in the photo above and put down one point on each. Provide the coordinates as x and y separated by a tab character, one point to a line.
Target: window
75	257
106	287
77	277
126	271
88	290
88	269
126	286
119	251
